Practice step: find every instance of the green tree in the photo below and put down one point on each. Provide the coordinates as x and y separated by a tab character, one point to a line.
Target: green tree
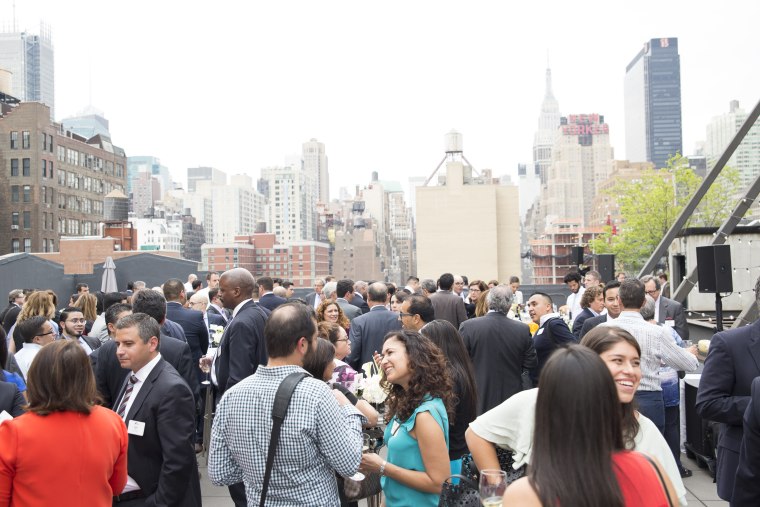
650	204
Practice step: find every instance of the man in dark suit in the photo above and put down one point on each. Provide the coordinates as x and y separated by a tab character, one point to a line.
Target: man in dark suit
109	375
368	330
447	305
159	411
552	332
611	304
11	400
72	323
345	291
315	297
592	303
243	347
358	298
267	298
500	349
191	322
747	485
215	306
667	311
732	363
15	302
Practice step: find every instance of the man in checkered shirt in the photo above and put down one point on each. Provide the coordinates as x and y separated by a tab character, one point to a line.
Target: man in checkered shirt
321	434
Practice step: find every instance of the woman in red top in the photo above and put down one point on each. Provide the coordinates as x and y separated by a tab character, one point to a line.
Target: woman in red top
579	457
65	451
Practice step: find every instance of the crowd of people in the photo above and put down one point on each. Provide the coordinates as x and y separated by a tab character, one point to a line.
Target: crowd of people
103	396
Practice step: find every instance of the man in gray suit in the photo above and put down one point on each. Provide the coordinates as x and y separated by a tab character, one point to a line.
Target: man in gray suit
667	311
345	291
447	305
368	330
315	298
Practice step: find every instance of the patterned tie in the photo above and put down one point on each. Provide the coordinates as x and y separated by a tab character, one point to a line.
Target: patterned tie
127	394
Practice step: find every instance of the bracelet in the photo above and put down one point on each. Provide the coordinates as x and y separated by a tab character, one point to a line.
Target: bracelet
382	468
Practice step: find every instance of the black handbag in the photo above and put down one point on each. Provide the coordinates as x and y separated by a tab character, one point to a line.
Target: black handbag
506	461
462	494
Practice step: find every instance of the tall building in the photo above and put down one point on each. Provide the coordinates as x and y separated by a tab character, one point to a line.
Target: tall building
196	174
30	59
292	202
721	131
227	211
543	140
88	123
315	162
653	103
467	225
54	182
581	160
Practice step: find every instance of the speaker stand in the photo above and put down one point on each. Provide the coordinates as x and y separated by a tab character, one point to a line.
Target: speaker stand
718	312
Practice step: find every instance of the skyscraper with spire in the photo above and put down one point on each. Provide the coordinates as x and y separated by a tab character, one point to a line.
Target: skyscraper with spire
548	122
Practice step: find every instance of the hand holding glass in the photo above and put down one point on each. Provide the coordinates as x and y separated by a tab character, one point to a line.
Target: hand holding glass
493	483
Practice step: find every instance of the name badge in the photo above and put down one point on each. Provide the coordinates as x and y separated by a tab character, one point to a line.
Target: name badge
136	428
540	331
671	323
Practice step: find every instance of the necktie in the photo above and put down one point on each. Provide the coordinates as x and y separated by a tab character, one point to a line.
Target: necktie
127	394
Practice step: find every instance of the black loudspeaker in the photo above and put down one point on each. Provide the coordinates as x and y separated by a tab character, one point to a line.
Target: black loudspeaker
714	269
605	264
577	255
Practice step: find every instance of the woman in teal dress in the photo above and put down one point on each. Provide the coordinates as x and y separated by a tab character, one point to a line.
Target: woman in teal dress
420	402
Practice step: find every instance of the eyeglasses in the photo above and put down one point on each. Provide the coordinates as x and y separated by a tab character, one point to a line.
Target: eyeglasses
652	292
46	334
77	321
342	340
402	314
475	290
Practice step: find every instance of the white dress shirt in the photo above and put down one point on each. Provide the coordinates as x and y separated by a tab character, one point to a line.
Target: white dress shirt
25	356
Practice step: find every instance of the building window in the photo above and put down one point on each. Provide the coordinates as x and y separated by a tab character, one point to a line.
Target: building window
61	154
14	167
14	219
25	140
51	171
27	220
27	245
44	245
43	193
44	168
14	140
50	147
14	193
15	245
61	177
27	162
44	142
27	193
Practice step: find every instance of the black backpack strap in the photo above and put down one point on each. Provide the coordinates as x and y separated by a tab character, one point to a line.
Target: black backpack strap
279	410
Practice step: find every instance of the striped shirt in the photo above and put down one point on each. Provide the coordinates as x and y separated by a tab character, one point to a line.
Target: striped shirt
317	439
657	346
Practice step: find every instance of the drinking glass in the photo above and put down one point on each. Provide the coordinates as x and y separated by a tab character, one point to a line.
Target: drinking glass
493	483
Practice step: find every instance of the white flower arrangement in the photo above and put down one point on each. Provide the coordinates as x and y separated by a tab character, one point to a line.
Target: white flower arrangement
216	334
372	391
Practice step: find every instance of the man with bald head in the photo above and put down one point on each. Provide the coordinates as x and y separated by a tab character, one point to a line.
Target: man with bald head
368	330
552	333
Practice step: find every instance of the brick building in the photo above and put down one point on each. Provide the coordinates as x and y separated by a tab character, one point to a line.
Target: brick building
52	182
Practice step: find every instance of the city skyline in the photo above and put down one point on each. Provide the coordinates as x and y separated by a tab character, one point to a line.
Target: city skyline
378	89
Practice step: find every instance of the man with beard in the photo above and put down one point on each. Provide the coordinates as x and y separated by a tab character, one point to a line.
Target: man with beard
72	323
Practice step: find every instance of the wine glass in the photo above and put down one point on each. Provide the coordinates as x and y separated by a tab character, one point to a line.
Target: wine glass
493	483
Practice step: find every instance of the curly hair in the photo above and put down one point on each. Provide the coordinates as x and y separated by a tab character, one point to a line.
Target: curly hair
342	319
429	376
38	303
590	295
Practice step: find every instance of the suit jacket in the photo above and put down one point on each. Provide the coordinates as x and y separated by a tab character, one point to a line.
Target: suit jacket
349	310
673	311
552	335
367	333
110	376
173	329
500	349
732	363
224	314
590	324
270	301
449	306
359	302
11	400
215	319
243	347
93	342
162	460
10	317
578	322
747	485
310	298
193	325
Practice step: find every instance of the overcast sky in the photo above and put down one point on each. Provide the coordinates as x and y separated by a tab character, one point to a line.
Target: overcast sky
240	85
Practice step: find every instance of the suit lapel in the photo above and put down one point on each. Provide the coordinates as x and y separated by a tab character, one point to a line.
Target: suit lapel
145	390
754	343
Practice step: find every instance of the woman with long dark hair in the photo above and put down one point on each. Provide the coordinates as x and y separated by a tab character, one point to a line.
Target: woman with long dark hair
420	402
447	338
579	456
511	424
